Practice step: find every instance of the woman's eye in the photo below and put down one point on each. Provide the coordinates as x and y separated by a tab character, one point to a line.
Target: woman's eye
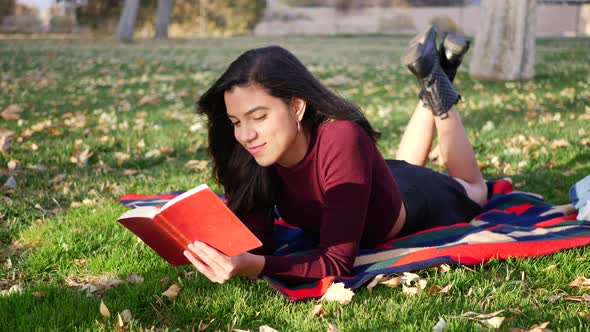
233	124
260	117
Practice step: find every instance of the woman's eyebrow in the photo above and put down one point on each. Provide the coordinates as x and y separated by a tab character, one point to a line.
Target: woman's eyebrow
257	108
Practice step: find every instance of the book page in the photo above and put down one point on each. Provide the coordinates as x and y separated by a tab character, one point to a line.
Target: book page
183	196
148	212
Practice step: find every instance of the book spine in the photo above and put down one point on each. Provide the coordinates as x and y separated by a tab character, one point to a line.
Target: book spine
171	231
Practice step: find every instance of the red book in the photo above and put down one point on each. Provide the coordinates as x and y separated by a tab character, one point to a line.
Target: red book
196	215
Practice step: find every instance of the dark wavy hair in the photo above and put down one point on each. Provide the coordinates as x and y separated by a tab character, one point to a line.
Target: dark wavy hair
248	185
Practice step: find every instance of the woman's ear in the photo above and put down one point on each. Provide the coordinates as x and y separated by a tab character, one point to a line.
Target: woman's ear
298	106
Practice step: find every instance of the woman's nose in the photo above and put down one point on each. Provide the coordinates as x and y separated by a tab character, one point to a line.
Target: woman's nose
246	133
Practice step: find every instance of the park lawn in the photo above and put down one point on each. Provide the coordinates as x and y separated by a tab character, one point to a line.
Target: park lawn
101	119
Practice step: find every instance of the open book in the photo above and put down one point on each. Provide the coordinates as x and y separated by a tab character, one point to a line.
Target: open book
196	215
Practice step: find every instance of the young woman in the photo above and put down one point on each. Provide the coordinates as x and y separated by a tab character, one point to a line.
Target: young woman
279	138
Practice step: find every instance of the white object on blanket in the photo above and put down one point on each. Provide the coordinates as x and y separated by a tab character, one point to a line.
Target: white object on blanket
580	196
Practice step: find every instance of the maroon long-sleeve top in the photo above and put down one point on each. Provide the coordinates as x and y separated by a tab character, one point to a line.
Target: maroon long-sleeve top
342	193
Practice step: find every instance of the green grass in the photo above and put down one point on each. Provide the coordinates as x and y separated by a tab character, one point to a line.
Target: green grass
535	132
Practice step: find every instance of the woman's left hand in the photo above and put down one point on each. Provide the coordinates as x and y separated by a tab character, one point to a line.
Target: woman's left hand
218	267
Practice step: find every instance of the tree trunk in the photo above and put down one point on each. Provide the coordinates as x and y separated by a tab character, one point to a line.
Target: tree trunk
505	42
163	15
127	20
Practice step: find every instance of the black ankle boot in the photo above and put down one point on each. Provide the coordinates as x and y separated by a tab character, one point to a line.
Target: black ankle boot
421	57
450	53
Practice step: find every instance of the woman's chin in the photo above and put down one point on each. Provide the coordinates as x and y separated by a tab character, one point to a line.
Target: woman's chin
264	162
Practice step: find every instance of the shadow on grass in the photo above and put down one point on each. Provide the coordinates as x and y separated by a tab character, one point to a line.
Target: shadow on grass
49	307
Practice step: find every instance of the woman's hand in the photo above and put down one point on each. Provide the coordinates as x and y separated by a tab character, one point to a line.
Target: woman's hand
218	267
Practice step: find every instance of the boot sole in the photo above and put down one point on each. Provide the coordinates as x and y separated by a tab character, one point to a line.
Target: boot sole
456	44
414	54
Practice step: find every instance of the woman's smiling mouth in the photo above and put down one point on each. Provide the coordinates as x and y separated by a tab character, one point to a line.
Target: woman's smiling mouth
256	149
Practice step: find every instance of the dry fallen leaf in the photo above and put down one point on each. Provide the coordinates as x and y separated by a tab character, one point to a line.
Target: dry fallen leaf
134	278
440	326
581	298
478	316
58	178
374	282
442	268
535	328
12	165
266	328
152	100
196	164
332	328
436	289
337	292
172	292
120	323
10	183
394	281
104	311
580	282
412	284
39	295
494	322
130	172
12	112
80	157
318	311
5	135
126	315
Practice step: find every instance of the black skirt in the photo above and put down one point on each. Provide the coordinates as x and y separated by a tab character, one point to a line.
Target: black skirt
431	199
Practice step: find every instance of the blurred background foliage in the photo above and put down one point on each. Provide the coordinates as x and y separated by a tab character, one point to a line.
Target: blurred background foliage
221	17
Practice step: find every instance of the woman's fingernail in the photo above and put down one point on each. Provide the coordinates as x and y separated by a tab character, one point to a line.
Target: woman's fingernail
190	246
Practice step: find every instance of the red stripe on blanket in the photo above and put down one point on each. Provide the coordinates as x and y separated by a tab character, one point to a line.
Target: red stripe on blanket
555	221
306	293
519	209
474	254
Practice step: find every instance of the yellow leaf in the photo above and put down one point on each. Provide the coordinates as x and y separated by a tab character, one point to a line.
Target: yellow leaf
337	292
12	112
104	311
172	292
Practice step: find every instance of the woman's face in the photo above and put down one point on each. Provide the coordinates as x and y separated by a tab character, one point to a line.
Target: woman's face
266	126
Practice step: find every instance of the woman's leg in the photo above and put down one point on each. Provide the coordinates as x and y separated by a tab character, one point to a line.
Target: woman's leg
458	156
417	139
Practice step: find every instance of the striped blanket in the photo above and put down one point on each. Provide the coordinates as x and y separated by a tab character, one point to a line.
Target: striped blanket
512	224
